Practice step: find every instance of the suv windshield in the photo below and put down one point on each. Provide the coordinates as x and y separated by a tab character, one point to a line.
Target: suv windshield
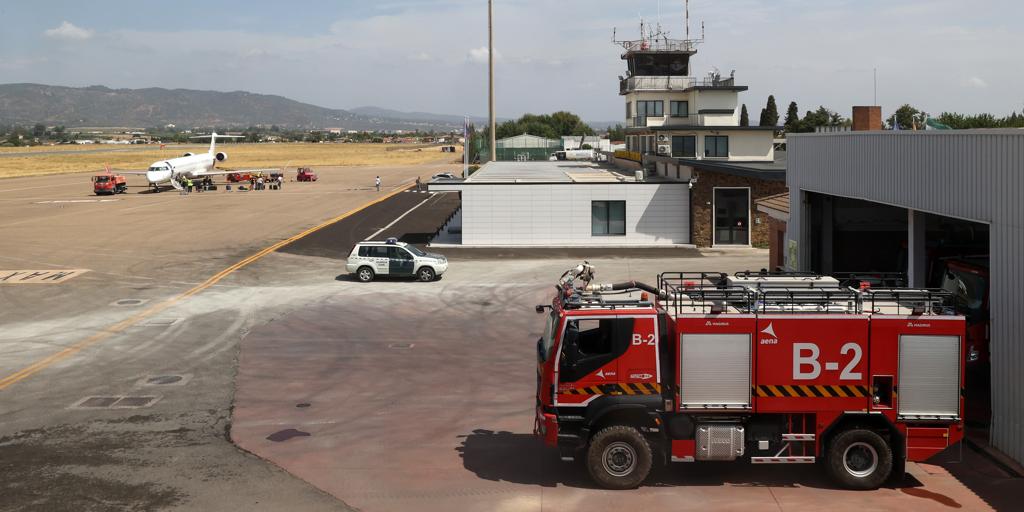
415	250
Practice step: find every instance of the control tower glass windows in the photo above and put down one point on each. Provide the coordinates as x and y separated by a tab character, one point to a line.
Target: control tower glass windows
679	109
716	146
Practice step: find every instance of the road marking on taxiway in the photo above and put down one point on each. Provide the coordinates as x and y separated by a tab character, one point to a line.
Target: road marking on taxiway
42	364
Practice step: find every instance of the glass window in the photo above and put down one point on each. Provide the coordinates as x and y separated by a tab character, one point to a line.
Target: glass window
684	146
397	253
548	338
415	250
629	109
679	108
608	218
650	108
379	252
364	251
716	146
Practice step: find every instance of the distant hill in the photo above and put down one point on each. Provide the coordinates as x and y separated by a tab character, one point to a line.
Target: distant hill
101	106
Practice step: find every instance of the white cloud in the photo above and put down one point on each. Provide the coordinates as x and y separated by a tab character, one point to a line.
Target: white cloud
479	55
977	82
69	31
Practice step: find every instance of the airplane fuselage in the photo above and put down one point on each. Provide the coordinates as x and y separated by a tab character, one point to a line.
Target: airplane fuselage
182	167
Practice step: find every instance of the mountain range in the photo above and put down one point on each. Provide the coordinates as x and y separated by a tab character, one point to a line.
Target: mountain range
99	106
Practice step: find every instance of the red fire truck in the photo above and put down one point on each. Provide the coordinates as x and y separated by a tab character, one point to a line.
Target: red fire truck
768	369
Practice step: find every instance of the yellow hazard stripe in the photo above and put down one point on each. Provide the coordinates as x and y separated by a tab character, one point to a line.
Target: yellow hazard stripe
810	391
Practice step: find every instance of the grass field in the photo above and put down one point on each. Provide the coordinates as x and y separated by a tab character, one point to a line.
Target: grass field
39	160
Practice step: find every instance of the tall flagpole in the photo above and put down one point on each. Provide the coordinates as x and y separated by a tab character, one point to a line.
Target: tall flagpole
490	73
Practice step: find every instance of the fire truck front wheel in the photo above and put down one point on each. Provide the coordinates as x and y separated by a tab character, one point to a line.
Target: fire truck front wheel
619	457
860	459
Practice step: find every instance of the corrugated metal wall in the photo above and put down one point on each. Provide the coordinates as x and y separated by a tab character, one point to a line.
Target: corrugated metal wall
972	175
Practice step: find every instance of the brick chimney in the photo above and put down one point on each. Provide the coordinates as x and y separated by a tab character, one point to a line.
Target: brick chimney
867	118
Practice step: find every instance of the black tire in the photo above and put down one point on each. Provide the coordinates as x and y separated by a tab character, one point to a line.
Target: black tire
859	459
619	457
426	274
365	274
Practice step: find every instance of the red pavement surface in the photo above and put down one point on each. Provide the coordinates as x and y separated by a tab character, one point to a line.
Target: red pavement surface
445	424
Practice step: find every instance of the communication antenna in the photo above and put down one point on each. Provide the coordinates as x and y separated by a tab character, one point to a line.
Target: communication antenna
687	19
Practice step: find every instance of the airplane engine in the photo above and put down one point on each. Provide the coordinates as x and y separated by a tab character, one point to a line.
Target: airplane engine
187	154
221	156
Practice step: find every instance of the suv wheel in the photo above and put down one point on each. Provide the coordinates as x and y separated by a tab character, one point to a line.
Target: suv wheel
426	274
859	459
619	457
364	274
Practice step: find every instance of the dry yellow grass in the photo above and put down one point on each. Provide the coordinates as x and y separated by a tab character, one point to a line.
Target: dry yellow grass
41	160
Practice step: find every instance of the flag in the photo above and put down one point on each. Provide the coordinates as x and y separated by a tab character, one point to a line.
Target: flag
931	124
896	123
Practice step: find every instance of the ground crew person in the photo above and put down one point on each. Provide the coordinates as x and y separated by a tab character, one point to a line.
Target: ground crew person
419	185
188	185
378	183
280	182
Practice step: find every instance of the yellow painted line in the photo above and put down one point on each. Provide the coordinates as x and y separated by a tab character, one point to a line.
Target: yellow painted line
42	364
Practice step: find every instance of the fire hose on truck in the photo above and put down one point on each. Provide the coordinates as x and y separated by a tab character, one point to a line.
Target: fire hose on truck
765	368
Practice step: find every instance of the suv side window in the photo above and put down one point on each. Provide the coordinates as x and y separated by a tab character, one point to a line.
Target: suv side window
364	251
379	252
397	253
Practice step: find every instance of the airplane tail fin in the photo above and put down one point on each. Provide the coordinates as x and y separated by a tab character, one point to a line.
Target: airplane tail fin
213	140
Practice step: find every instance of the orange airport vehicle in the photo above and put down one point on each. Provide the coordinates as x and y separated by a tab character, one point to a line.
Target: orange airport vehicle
109	183
755	367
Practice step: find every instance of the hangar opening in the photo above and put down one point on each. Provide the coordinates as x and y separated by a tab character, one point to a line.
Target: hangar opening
927	250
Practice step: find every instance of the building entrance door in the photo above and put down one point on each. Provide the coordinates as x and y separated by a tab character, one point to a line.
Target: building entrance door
732	216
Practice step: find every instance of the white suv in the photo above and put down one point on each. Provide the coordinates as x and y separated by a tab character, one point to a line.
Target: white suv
394	258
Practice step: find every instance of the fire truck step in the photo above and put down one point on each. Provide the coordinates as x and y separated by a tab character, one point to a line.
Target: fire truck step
569	418
782	460
798	437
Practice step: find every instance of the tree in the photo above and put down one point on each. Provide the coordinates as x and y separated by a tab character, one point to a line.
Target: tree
39	130
549	126
907	117
617	132
792	118
744	117
770	113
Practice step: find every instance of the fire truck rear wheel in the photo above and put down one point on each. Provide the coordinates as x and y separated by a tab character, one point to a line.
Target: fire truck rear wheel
619	457
860	459
364	274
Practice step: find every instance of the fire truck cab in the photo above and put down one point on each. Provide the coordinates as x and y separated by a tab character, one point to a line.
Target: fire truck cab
763	368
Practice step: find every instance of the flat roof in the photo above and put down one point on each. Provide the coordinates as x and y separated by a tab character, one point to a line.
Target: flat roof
774	170
561	171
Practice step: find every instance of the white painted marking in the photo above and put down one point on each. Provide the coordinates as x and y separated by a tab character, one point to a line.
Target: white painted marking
400	217
39	276
61	201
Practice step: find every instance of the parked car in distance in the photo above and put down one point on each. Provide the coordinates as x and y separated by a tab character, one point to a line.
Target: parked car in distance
393	258
443	176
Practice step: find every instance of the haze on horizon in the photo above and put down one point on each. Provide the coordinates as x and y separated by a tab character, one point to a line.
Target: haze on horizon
430	55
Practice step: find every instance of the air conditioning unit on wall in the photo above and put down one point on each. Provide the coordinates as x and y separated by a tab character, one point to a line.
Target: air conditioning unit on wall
663	150
662	138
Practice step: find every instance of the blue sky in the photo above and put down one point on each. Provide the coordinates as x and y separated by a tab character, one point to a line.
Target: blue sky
425	55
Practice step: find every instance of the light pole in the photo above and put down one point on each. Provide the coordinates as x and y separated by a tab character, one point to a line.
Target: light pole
490	74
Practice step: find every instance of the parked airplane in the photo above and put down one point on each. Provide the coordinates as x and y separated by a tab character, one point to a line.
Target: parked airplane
192	166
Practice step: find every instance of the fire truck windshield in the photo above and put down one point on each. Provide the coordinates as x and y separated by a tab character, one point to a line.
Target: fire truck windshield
968	291
547	340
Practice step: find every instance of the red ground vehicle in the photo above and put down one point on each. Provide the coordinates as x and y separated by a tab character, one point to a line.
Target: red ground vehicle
305	174
766	369
109	184
967	280
239	177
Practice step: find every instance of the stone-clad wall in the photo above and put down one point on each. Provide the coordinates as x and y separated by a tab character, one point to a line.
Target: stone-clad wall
703	193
